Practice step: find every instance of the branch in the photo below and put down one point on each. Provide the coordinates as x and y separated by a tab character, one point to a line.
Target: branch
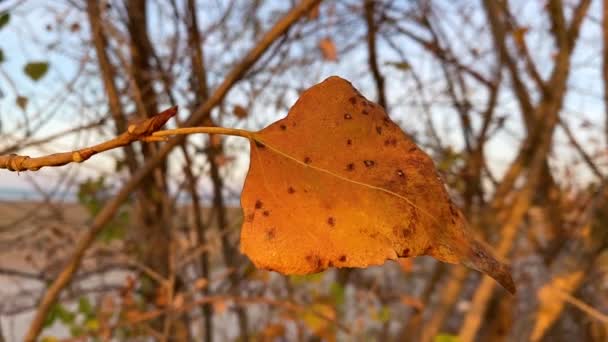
372	54
594	168
108	211
586	308
494	15
108	75
139	131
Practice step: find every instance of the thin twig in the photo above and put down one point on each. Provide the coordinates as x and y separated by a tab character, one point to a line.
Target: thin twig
207	130
144	131
586	308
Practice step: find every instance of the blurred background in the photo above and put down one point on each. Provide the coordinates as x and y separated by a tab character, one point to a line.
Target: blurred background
508	97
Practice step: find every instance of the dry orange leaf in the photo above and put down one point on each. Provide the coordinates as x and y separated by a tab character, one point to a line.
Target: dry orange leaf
240	112
201	283
178	301
219	306
519	36
338	184
328	48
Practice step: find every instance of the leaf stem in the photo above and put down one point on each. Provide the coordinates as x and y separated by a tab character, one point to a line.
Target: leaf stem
208	130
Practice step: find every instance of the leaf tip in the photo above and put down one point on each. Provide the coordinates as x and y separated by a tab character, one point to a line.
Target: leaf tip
481	259
170	111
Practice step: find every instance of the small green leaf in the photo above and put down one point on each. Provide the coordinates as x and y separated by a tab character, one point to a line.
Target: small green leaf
114	230
446	338
36	70
383	315
51	316
403	66
337	293
65	316
76	330
85	307
49	339
307	278
92	324
4	19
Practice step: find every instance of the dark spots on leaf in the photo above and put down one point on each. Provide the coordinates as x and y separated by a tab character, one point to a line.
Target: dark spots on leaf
331	221
291	190
400	173
386	121
361	96
330	263
347	116
412	149
271	233
342	258
350	167
390	142
250	217
369	163
349	142
379	129
307	160
283	127
364	112
266	213
259	144
453	221
407	231
314	261
364	103
258	204
402	232
353	100
405	253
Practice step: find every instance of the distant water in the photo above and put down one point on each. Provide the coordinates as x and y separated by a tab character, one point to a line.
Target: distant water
24	194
